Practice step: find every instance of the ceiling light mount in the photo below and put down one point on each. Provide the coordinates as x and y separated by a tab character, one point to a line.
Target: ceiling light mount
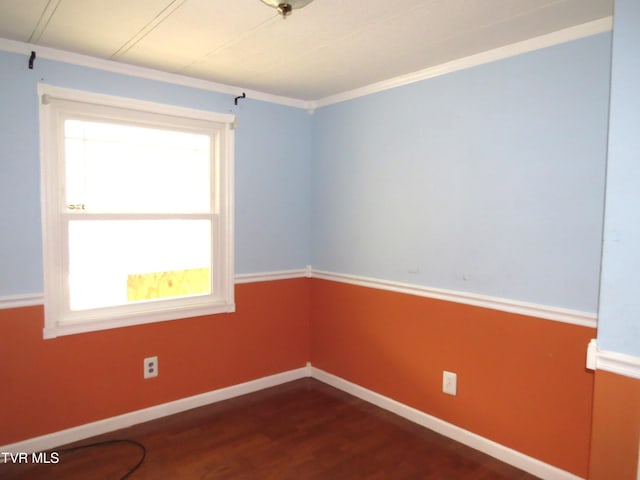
285	7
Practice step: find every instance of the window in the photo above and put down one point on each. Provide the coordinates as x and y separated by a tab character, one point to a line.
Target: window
137	211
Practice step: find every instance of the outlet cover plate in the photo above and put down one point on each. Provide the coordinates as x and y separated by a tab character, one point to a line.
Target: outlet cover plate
150	367
449	383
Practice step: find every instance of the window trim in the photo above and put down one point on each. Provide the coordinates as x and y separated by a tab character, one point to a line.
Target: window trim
51	99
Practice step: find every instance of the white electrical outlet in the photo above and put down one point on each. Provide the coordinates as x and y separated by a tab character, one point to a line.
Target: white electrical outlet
449	383
150	367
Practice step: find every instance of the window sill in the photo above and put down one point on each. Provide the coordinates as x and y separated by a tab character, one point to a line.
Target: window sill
134	319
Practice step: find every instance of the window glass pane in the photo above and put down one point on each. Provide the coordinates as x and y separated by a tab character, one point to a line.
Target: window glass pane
117	262
168	284
130	169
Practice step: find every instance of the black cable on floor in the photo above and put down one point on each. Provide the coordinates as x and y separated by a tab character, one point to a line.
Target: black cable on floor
112	442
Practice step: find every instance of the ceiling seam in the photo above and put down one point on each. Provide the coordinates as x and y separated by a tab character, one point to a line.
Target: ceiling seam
149	27
343	38
38	30
391	17
71	25
232	42
594	27
520	14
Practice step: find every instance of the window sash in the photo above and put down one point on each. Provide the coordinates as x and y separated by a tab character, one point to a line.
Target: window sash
140	159
59	104
120	256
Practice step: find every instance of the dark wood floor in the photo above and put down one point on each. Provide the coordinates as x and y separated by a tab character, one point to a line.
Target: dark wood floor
303	430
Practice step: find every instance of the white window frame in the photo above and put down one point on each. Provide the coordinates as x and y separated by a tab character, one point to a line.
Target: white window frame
55	105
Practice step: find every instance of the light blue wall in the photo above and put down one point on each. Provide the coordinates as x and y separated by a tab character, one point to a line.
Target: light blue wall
272	168
20	233
619	322
273	162
488	180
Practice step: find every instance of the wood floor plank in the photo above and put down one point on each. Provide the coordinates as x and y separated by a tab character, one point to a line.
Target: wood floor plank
302	430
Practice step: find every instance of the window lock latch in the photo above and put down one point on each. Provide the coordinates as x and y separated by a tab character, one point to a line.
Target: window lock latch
76	206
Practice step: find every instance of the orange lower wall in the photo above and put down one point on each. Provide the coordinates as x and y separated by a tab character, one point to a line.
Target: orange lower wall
616	427
522	381
50	385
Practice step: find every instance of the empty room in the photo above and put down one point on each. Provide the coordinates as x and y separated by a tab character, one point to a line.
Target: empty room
406	244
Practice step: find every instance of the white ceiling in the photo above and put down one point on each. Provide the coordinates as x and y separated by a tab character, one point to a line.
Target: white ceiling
328	47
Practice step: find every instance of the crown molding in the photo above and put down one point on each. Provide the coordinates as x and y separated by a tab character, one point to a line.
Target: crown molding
555	38
63	56
561	36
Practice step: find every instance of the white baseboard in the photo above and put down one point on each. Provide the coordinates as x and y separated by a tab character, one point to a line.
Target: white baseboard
505	454
63	437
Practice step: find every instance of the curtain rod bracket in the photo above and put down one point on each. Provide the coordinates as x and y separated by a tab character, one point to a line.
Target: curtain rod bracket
32	59
235	101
